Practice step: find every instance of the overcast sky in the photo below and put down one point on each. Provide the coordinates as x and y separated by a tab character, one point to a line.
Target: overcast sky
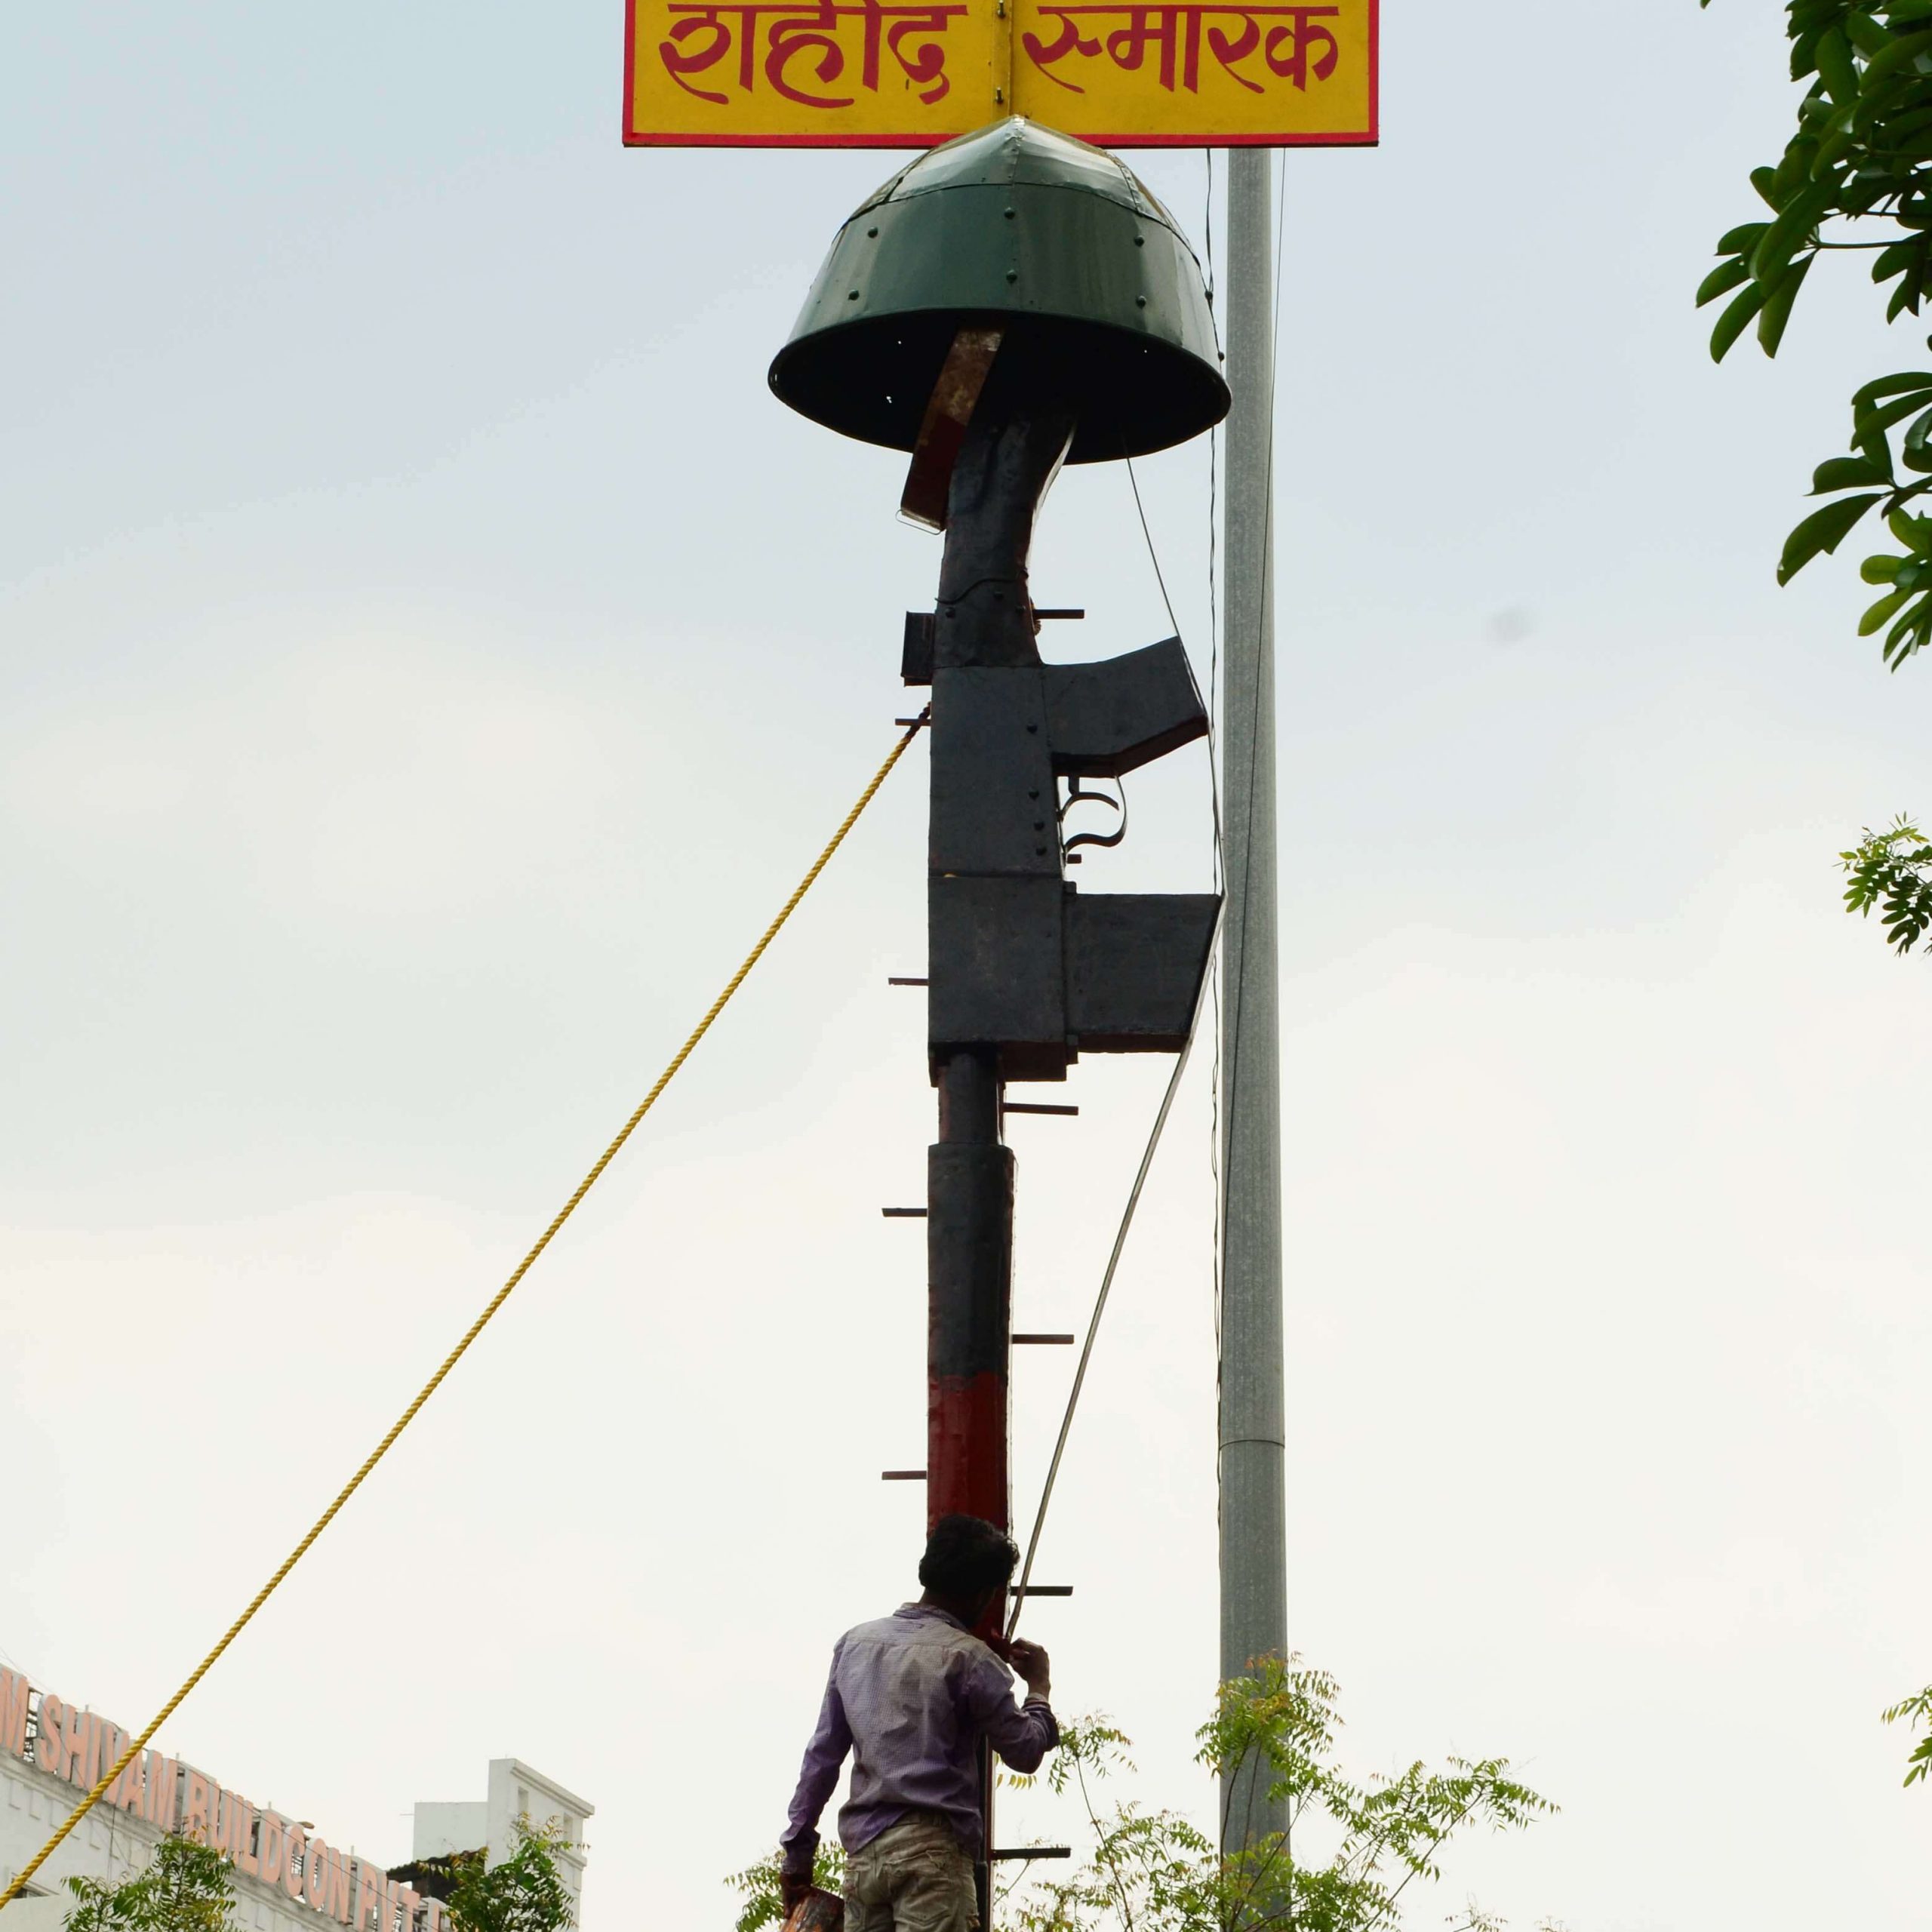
429	654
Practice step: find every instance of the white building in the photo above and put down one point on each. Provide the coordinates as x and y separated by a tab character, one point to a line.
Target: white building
288	1878
517	1795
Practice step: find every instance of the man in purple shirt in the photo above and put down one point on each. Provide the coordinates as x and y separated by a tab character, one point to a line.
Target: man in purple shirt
911	1696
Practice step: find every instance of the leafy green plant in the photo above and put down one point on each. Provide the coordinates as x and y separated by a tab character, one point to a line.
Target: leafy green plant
1856	175
1153	1871
1919	1709
526	1893
1892	871
184	1888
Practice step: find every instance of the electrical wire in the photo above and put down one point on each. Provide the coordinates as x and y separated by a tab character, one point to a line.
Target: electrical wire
140	1742
1140	510
1209	979
1100	1301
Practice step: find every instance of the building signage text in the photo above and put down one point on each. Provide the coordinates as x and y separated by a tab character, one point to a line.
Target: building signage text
912	73
80	1746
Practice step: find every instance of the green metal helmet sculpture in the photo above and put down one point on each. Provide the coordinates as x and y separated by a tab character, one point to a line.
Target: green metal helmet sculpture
1028	231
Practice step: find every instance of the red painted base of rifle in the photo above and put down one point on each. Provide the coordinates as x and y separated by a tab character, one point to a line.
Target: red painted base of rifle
966	1447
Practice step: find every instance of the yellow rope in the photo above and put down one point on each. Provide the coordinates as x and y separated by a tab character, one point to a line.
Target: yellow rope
475	1329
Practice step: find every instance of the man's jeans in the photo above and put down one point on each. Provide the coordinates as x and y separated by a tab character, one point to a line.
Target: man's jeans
914	1877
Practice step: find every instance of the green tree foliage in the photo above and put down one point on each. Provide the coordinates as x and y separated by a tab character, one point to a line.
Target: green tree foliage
1860	160
1892	871
1855	177
758	1886
1919	1709
525	1893
1352	1853
184	1888
1153	1872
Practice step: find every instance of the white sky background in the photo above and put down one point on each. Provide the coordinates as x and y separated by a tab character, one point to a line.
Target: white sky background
429	654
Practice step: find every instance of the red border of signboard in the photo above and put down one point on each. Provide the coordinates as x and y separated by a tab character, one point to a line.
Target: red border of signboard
632	139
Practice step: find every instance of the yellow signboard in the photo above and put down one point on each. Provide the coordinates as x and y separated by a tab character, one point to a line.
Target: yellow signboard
912	73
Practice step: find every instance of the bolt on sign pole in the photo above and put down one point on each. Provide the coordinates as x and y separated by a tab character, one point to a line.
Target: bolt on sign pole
1253	1529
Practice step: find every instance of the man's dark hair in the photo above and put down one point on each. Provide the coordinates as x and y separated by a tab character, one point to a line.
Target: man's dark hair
967	1559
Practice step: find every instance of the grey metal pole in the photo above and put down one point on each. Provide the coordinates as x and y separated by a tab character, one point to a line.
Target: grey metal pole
1253	1552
